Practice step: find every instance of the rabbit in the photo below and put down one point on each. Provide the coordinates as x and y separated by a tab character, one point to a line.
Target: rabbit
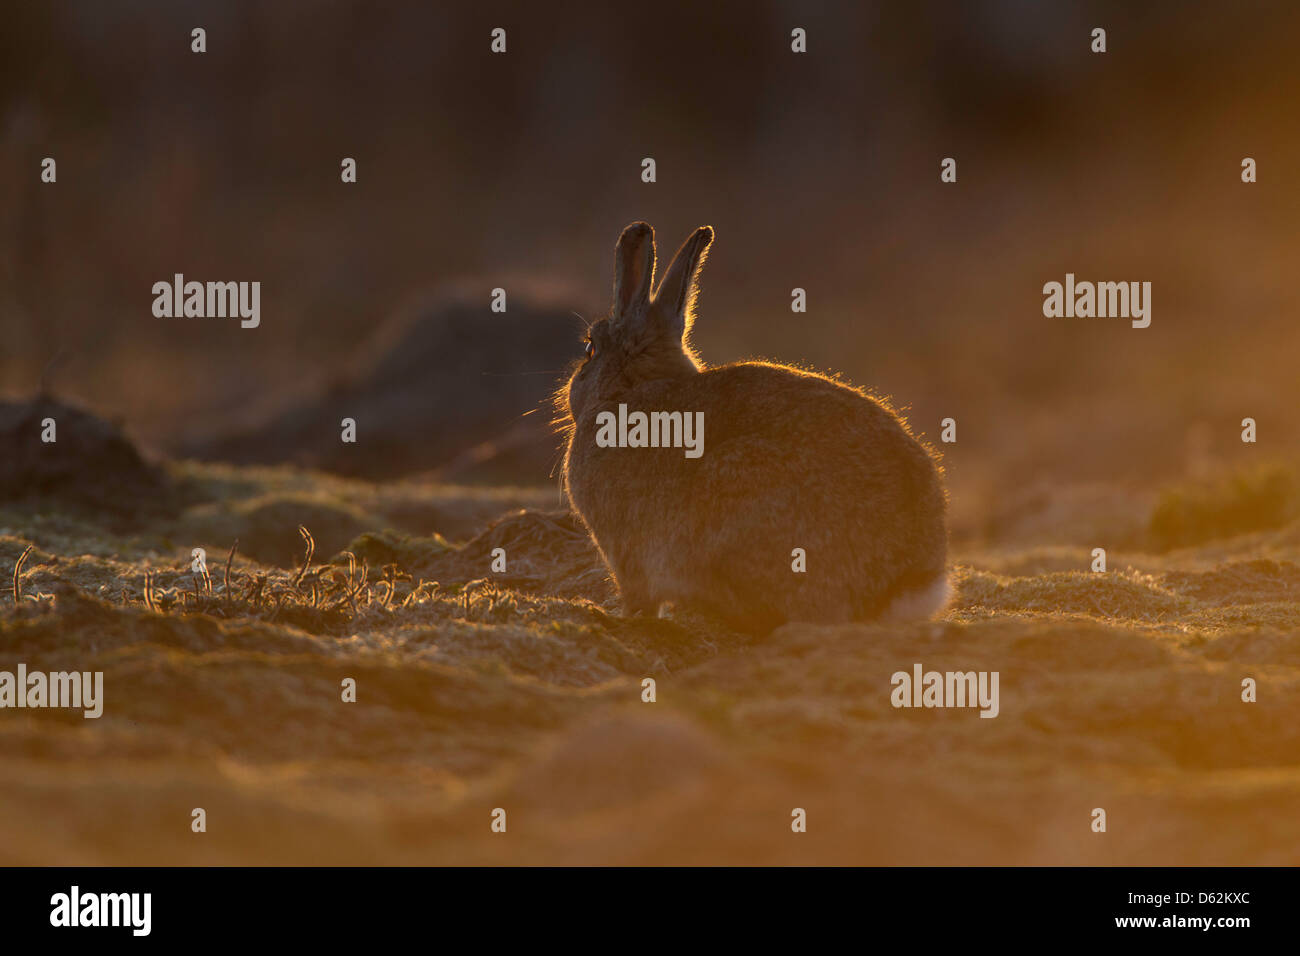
790	460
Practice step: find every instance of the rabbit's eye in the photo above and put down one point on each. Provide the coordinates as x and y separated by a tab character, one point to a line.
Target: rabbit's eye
591	348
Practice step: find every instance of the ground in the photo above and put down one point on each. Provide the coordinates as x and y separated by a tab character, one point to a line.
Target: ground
523	690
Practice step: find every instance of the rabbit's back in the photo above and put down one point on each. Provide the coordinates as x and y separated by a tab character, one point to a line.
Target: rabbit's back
810	500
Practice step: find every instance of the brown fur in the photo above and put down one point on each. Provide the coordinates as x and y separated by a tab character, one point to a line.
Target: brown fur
792	459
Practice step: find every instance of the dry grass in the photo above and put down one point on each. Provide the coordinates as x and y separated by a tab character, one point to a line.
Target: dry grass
523	690
1255	499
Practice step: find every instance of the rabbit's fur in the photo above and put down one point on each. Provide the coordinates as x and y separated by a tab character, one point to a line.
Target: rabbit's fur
791	459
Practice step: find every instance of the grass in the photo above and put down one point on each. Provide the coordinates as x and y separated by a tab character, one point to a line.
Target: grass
1255	499
18	574
223	689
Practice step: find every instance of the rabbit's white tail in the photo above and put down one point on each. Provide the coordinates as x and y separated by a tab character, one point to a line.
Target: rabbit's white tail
922	603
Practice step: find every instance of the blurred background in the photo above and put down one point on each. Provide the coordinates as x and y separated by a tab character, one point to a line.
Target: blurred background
518	171
819	171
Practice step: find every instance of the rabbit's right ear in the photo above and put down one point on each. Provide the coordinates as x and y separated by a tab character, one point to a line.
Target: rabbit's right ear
634	268
676	295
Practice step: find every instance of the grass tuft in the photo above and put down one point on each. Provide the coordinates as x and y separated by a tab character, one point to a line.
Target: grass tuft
18	573
1257	499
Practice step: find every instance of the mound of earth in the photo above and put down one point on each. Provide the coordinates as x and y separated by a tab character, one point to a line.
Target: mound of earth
90	463
454	389
545	552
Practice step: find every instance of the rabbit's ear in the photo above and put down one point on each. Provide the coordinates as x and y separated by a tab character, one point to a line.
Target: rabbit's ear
634	268
676	296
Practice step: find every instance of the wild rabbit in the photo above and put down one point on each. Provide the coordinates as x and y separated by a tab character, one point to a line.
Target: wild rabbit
790	460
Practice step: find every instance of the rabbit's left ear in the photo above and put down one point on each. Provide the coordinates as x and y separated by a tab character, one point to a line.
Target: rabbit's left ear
675	299
634	269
